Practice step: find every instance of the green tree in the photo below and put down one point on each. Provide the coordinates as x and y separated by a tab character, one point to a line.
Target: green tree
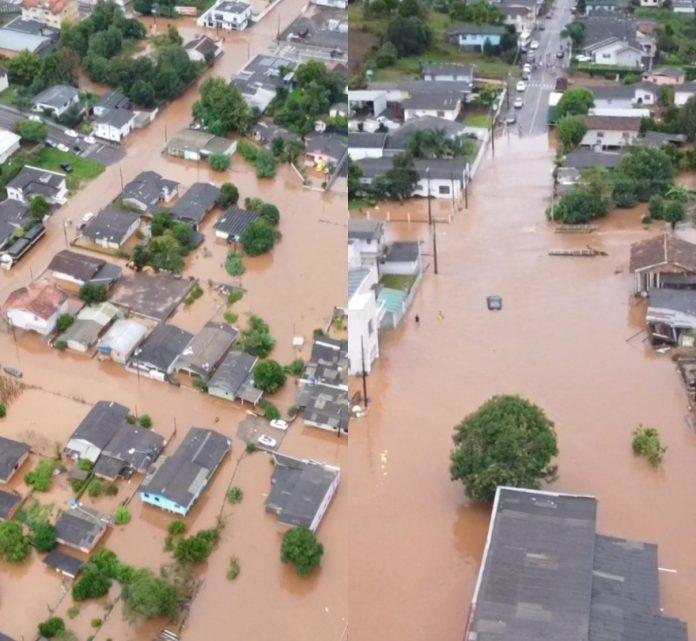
646	442
91	293
23	68
142	93
571	130
507	441
165	254
219	162
625	190
52	627
686	119
38	208
229	195
650	168
14	544
258	238
576	32
673	212
43	536
411	36
92	584
402	178
301	547
269	213
269	376
31	131
63	322
197	548
386	55
265	164
221	108
173	35
149	597
575	102
256	339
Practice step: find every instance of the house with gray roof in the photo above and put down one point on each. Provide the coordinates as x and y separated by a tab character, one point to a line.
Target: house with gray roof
262	76
662	261
615	41
175	482
234	379
196	144
318	33
301	491
147	190
206	350
157	355
671	313
546	575
231	225
9	504
324	149
397	141
114	124
195	204
56	100
111	100
73	270
65	564
34	181
112	227
14	218
368	234
12	457
81	527
439	72
96	430
231	15
440	105
366	145
473	37
613	96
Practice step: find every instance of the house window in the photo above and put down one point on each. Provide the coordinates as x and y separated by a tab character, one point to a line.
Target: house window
600	134
370	327
440	114
606	55
444	189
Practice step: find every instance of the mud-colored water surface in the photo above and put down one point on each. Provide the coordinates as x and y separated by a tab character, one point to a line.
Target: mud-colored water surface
562	340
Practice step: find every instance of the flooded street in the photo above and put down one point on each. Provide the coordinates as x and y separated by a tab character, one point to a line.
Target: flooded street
560	341
295	290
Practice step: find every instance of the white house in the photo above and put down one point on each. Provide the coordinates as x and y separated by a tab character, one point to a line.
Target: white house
334	4
32	181
610	132
366	237
684	6
114	124
683	93
646	93
227	14
615	52
36	308
56	99
440	105
366	145
365	314
613	96
402	258
522	18
652	4
9	143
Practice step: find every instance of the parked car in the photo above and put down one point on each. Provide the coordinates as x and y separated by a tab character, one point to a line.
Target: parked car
521	85
279	424
13	371
560	53
527	67
61	147
66	167
534	45
494	303
511	119
35	118
71	132
267	441
90	140
519	103
85	219
583	58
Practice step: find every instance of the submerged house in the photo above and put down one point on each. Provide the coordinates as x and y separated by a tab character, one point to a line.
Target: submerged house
81	527
12	456
671	316
175	482
121	339
95	431
546	575
662	261
206	350
234	379
301	491
158	354
36	307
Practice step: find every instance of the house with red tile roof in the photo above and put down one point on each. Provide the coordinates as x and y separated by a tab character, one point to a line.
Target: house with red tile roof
35	308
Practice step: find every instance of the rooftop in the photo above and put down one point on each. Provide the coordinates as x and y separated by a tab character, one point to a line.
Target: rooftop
79	266
586	158
299	490
113	100
401	251
198	200
234	221
56	96
40	298
439	101
448	69
12	453
197	140
101	424
112	225
365	140
81	527
147	188
365	229
326	144
123	335
37	181
115	117
663	250
207	348
614	123
9	502
154	296
234	377
66	564
479	29
180	477
161	349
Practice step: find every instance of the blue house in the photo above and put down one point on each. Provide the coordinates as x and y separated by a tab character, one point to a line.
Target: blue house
175	482
475	36
601	7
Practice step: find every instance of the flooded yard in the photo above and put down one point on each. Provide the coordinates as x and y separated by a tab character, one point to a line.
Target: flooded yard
565	340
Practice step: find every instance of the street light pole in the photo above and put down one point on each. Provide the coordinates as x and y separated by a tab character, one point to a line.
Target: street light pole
364	373
466	187
427	187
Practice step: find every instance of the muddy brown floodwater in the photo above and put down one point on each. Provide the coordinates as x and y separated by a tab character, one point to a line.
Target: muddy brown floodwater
294	289
560	341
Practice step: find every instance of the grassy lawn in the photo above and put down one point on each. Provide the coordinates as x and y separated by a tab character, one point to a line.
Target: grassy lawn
83	169
360	203
396	281
479	120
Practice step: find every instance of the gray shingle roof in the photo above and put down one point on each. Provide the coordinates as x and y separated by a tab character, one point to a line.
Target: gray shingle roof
115	117
207	349
180	477
111	224
365	229
198	200
79	266
81	527
439	101
234	221
364	140
55	96
113	100
9	501
234	376
101	423
63	563
161	349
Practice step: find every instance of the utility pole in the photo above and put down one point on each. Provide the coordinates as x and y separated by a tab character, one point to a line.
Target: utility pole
364	373
492	132
427	186
466	187
435	246
452	191
120	173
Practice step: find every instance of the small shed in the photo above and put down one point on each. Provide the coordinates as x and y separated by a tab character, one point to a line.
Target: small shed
9	503
662	258
81	527
64	564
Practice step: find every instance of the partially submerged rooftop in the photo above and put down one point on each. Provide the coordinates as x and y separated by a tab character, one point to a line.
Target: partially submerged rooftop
81	527
153	296
63	563
662	251
198	200
207	348
12	455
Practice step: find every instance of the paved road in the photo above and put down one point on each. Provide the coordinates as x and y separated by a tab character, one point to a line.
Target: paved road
101	152
532	117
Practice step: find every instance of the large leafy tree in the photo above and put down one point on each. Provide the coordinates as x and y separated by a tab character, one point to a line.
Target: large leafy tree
14	544
411	36
301	547
507	441
23	68
149	596
402	177
269	376
221	108
575	102
650	168
258	238
570	131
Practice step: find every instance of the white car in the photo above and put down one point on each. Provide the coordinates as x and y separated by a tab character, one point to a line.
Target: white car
266	440
526	68
90	140
61	147
533	45
279	424
35	118
519	103
85	219
521	85
583	58
71	132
